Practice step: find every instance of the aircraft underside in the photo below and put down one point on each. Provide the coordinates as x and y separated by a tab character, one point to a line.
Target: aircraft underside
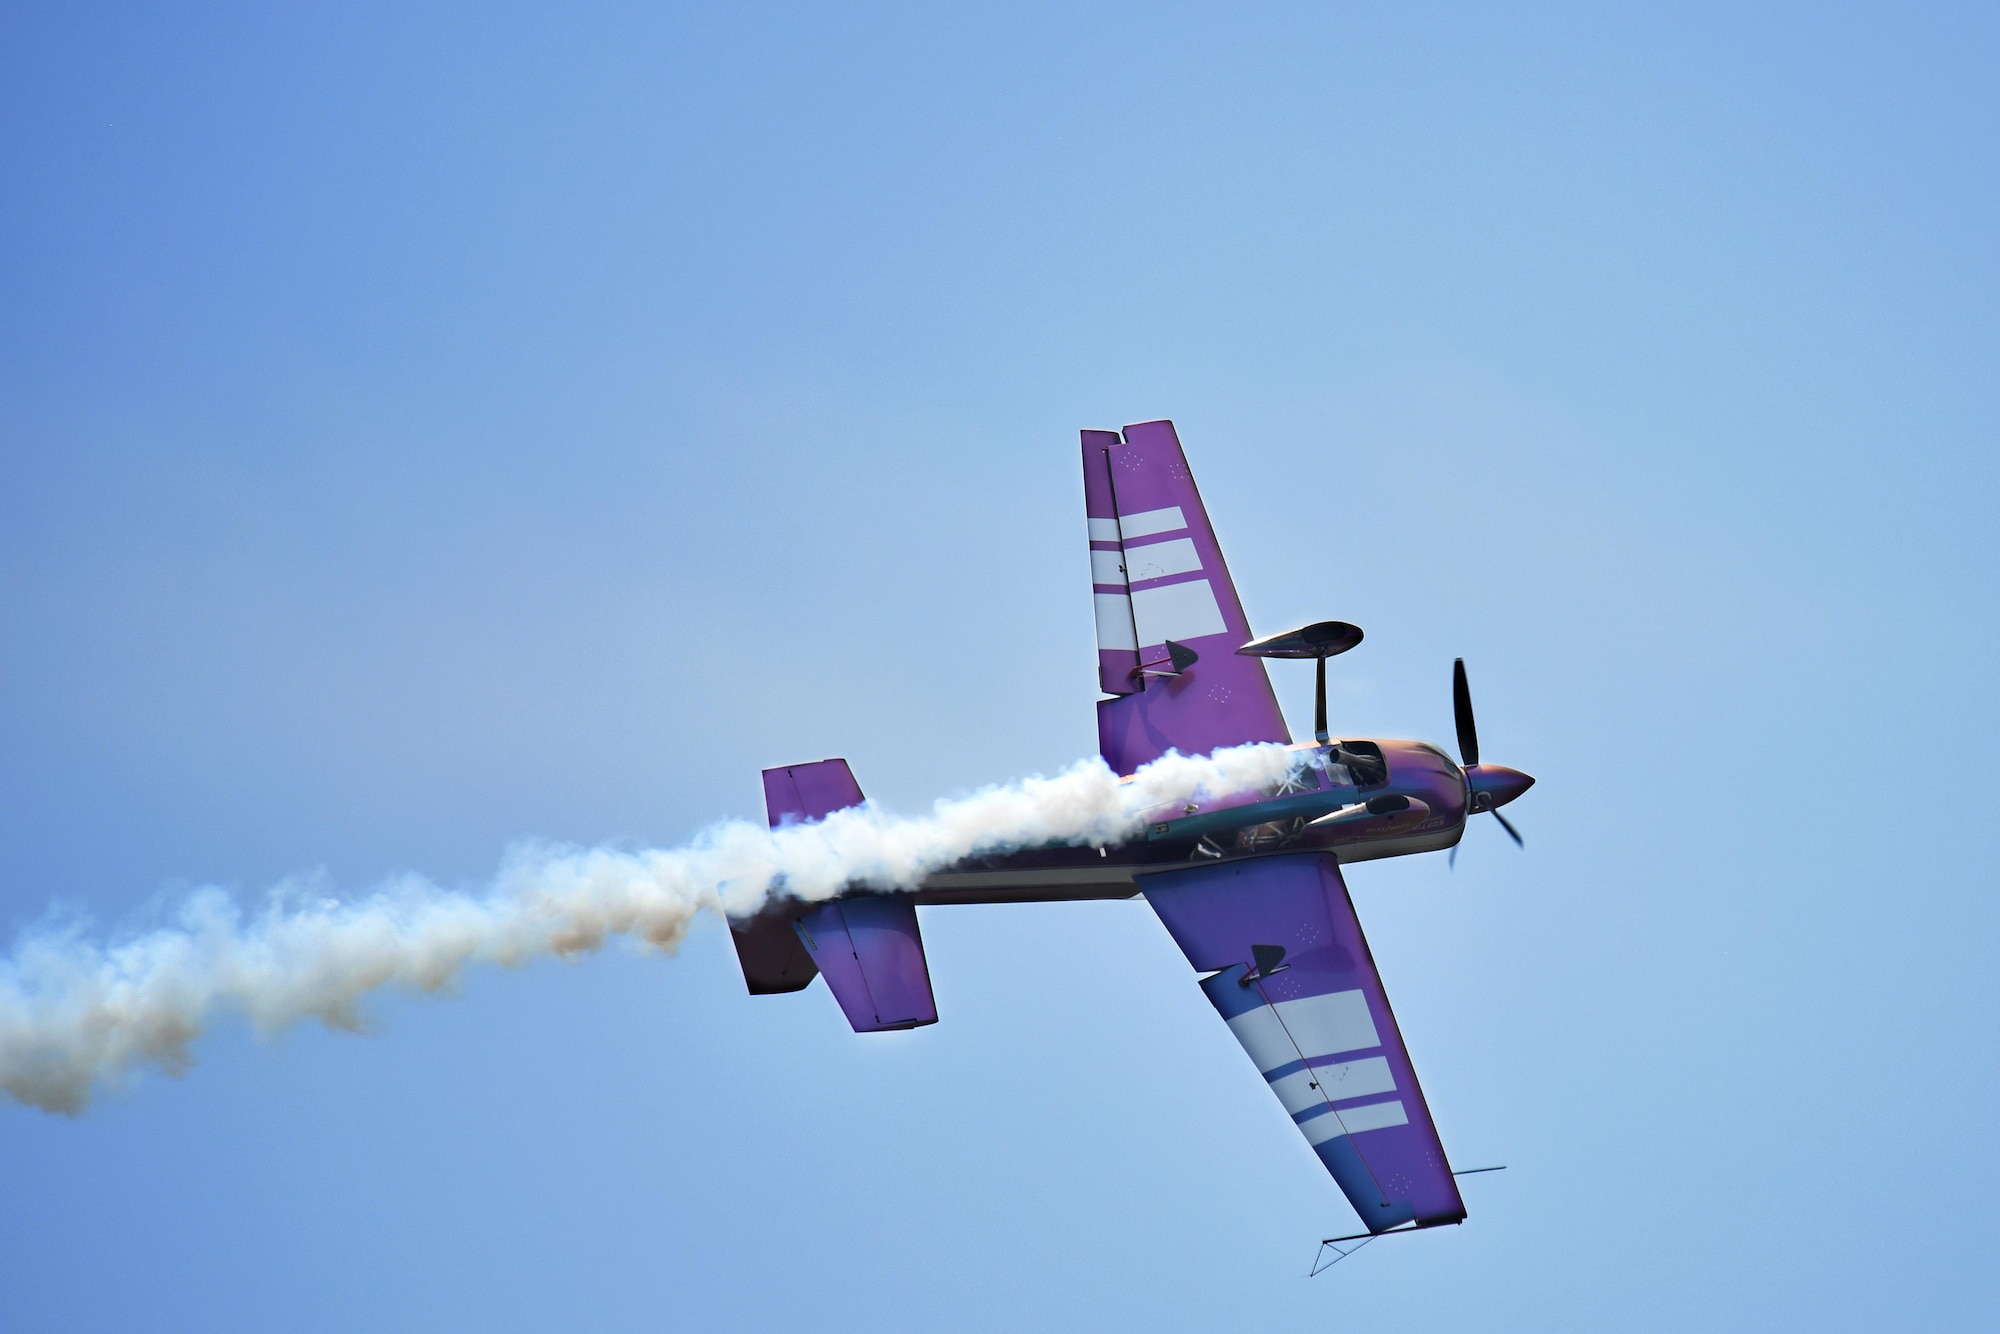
1047	878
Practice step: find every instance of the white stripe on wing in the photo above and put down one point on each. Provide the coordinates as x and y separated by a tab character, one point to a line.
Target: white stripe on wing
1303	1090
1107	567
1177	611
1114	623
1354	1120
1319	1025
1157	560
1147	522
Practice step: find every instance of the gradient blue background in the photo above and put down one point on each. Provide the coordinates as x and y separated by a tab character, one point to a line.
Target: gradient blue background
421	431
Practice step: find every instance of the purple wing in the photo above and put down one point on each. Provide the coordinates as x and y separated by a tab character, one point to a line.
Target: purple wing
1158	575
1298	988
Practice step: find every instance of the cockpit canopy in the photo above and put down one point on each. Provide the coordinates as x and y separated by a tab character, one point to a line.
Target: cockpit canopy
1363	761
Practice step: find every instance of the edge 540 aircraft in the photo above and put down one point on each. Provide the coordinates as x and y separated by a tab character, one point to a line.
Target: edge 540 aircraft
1249	885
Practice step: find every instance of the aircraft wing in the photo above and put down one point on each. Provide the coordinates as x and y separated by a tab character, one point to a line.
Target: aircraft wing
1157	575
1298	987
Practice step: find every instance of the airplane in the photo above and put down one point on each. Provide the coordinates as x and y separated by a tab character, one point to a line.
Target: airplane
1248	884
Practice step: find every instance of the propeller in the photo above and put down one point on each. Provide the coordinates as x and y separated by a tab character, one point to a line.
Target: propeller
1491	787
1461	712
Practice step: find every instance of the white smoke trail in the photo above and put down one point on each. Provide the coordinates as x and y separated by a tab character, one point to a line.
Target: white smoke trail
76	1014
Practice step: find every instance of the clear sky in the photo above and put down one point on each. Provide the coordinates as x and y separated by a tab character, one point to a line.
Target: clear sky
421	431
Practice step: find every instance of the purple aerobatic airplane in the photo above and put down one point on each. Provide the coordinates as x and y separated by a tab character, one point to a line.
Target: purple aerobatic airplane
1248	885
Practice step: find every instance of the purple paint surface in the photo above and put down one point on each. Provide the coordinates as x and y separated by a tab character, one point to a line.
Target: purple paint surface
1220	915
809	791
1224	699
871	954
868	948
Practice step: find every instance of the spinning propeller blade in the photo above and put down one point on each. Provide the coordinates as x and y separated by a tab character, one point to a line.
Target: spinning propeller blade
1461	710
1487	796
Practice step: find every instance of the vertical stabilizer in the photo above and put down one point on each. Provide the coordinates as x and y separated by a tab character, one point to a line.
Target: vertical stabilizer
868	947
772	956
809	791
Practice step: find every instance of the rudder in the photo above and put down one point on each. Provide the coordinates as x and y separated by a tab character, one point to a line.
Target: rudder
773	958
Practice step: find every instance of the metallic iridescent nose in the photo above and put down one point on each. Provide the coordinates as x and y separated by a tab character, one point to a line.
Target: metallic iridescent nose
1494	785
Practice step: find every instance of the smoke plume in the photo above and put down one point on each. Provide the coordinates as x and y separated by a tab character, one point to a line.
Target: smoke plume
76	1015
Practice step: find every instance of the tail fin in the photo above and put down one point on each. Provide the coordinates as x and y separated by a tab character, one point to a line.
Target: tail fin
1155	563
868	947
809	791
773	957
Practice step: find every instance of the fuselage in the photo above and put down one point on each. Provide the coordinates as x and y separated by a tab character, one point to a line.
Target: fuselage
1358	799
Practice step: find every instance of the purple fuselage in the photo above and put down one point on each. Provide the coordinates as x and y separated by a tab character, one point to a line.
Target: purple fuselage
1359	800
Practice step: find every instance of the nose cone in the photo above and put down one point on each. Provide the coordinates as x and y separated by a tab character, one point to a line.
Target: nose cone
1494	785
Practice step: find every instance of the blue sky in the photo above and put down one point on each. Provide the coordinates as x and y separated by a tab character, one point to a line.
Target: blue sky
422	431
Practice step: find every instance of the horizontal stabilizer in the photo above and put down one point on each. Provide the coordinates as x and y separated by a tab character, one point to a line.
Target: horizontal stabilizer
872	956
